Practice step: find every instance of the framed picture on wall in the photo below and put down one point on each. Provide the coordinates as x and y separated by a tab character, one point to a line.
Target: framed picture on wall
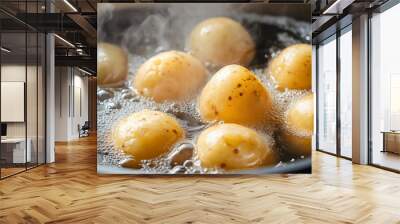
204	88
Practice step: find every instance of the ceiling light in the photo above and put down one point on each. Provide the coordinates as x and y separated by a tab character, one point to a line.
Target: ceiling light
84	71
70	5
5	50
65	41
337	7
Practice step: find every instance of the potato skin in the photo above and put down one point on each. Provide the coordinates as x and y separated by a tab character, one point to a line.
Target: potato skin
300	125
221	41
297	145
170	76
300	115
235	95
112	65
147	134
291	69
232	147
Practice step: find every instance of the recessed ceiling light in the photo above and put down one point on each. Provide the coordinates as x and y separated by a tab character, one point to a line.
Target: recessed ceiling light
337	7
70	5
84	71
5	49
64	40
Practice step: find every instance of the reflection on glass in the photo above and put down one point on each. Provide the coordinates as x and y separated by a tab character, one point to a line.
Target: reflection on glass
41	99
385	89
22	90
31	101
14	153
346	94
327	96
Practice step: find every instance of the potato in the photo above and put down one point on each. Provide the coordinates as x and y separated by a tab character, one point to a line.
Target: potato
300	115
297	145
147	134
235	95
170	76
291	69
112	65
300	125
232	146
221	41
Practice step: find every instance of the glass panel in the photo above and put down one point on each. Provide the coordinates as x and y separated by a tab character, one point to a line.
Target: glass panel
23	87
32	86
327	96
13	87
31	98
41	99
385	84
346	94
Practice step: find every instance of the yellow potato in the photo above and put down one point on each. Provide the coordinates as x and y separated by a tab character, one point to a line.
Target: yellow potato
221	41
170	76
297	145
291	69
147	134
235	95
300	115
299	125
112	65
232	146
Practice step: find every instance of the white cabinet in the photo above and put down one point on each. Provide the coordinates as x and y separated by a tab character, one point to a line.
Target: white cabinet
17	146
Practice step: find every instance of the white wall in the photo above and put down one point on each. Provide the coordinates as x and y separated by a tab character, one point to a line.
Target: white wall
16	73
70	83
12	73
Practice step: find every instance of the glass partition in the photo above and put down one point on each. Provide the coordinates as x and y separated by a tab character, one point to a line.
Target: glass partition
31	97
385	89
14	153
41	97
22	91
327	96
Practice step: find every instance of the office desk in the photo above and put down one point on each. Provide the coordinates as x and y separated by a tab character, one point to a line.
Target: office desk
391	141
13	150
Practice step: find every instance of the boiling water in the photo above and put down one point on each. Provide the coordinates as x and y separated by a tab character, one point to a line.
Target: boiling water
115	103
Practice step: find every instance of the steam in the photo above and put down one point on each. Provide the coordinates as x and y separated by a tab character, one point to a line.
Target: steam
149	29
104	13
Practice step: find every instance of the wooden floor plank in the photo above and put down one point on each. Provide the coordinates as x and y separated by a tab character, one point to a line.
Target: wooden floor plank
70	191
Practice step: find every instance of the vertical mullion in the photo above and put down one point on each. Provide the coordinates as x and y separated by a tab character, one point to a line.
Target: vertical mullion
37	89
338	72
369	95
317	97
26	86
46	3
0	93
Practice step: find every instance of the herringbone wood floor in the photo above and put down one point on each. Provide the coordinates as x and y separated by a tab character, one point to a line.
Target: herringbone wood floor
70	191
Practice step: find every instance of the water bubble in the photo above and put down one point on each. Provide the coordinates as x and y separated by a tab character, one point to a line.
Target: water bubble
127	95
103	94
128	163
126	91
188	164
181	154
177	169
113	105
